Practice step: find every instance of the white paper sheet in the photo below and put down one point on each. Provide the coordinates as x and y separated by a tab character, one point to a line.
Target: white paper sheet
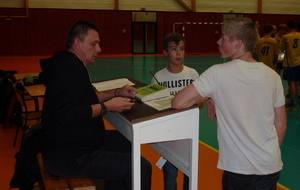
112	84
161	104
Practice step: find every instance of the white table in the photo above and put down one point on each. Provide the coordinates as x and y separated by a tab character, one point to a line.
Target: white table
172	133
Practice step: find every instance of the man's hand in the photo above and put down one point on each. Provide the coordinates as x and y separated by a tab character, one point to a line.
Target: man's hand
126	91
119	104
211	110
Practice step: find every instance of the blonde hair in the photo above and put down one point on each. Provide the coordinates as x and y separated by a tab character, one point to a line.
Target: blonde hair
243	29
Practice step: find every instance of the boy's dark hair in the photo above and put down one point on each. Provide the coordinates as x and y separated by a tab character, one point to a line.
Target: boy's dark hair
268	28
79	30
291	24
172	37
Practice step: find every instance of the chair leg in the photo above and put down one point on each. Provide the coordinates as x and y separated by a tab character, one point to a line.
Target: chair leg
25	128
36	104
16	136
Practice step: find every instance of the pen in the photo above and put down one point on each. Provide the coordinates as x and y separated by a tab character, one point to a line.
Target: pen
154	77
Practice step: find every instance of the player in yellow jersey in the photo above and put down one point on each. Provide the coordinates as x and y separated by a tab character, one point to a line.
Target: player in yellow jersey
280	32
291	44
274	31
298	26
267	48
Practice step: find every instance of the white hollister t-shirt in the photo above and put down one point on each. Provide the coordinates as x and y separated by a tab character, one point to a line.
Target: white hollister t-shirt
175	81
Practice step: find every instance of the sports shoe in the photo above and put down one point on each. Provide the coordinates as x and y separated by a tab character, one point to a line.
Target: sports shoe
291	108
287	103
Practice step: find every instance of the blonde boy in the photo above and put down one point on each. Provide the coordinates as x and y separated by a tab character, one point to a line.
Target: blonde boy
249	104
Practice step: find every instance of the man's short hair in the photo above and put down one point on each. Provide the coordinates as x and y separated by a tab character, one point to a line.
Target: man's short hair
79	30
291	24
282	26
241	28
268	28
172	37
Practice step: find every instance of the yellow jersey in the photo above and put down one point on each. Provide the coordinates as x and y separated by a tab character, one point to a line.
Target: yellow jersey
291	44
267	49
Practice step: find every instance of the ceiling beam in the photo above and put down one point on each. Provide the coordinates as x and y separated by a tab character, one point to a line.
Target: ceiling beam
116	4
193	2
259	6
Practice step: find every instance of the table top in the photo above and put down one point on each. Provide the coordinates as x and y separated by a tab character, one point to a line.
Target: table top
141	111
37	90
20	76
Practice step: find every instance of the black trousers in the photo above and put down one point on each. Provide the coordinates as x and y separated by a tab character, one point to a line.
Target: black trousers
111	163
234	181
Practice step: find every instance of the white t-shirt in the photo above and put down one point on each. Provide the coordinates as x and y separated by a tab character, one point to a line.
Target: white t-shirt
245	96
175	81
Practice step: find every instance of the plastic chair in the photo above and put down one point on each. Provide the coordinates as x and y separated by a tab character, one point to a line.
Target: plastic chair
29	118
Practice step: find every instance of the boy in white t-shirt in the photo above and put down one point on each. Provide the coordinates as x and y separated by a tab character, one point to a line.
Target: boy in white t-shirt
249	103
175	76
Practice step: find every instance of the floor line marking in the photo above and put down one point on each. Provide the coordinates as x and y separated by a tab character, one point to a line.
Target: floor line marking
293	116
290	148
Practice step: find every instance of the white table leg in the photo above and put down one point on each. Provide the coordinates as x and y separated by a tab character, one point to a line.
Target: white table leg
194	154
193	180
136	160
